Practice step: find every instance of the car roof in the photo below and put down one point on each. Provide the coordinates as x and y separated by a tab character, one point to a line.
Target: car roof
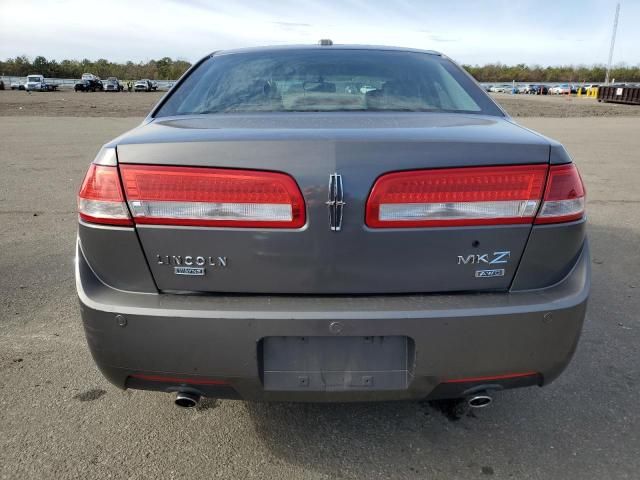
277	48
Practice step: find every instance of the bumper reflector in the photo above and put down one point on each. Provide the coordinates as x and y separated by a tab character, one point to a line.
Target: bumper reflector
179	380
491	378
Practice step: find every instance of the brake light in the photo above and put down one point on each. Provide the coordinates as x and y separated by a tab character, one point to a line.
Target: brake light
212	197
564	197
100	199
456	197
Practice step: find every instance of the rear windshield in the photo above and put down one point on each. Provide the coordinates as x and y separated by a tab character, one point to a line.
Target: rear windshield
325	81
33	79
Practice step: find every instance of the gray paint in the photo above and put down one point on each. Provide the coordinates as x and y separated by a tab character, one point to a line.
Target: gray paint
217	336
359	126
550	255
310	147
116	257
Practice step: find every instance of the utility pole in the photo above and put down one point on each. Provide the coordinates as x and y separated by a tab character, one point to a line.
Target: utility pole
613	42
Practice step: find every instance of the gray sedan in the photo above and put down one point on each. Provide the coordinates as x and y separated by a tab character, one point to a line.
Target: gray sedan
331	223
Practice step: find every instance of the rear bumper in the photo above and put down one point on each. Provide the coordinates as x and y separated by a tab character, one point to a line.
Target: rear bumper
213	344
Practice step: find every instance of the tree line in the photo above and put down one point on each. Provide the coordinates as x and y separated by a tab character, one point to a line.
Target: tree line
162	69
169	69
498	72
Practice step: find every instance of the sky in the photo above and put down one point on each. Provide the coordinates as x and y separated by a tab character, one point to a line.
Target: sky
544	32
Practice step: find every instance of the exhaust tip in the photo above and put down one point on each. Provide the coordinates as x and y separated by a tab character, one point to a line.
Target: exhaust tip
187	400
479	401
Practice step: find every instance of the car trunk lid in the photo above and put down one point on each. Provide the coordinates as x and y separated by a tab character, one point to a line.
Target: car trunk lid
316	259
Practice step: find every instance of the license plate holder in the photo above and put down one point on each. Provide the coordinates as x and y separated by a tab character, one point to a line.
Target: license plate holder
336	363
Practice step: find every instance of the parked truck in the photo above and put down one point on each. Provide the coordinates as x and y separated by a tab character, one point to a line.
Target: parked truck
38	83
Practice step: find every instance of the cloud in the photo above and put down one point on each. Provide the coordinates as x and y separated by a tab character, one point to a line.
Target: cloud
291	24
507	30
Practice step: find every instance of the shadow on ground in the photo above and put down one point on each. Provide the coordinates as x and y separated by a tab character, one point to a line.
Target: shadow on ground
554	432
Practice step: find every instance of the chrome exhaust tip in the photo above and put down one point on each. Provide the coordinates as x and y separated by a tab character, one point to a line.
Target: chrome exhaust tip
187	400
479	401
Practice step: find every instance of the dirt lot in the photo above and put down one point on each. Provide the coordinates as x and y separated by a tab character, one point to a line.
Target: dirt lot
562	106
61	419
102	104
68	103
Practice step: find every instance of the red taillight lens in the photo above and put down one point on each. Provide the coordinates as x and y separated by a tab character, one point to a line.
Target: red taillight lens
100	199
564	197
212	197
456	197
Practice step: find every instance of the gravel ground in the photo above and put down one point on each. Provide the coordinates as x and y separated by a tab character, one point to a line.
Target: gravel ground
61	419
102	104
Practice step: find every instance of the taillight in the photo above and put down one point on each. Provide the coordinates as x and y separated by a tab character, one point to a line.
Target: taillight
564	197
100	199
212	197
456	197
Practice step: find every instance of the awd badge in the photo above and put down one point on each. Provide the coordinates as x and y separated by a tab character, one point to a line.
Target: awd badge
188	270
496	272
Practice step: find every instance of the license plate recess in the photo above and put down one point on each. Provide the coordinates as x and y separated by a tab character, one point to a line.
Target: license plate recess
336	363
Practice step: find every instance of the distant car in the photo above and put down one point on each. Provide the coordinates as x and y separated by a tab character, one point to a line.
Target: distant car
563	89
531	89
536	90
500	88
221	254
143	86
89	76
17	86
112	84
89	86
